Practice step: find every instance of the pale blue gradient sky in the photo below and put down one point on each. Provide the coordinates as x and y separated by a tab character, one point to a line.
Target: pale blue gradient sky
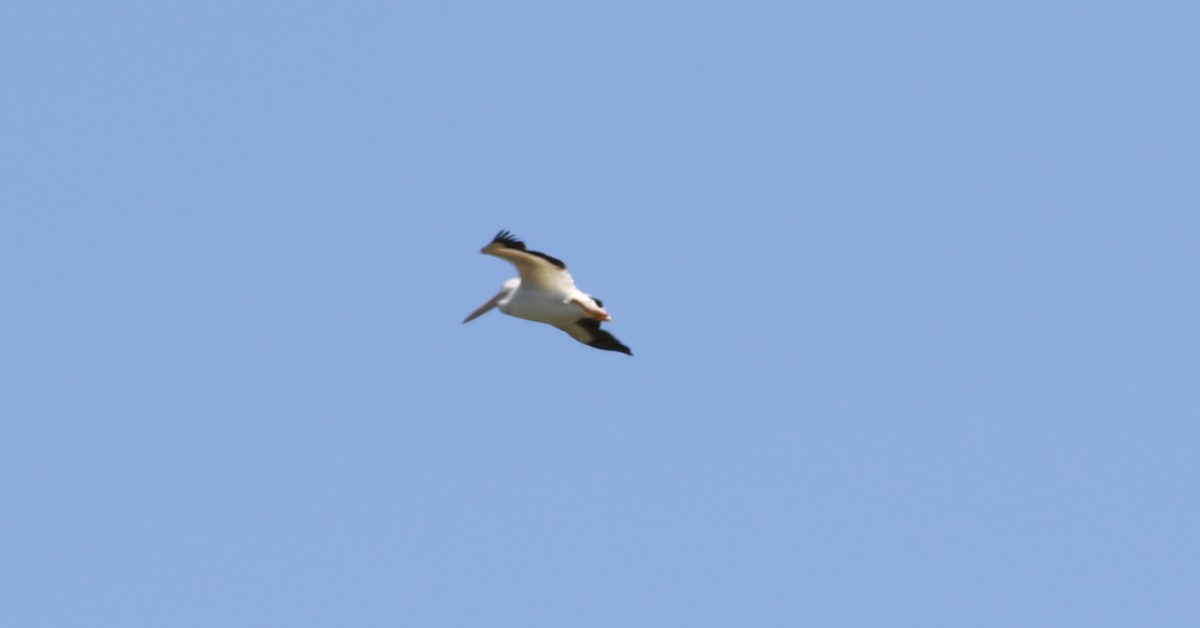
911	288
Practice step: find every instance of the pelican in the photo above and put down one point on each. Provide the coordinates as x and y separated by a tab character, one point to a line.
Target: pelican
546	293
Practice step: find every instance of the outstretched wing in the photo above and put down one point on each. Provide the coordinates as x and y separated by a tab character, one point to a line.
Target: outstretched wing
538	270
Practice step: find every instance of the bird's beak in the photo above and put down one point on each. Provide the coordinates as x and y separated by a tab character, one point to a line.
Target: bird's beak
484	308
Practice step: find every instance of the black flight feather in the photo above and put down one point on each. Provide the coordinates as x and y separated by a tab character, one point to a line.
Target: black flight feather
511	241
600	338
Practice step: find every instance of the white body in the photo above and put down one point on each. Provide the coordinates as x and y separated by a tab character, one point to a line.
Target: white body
556	307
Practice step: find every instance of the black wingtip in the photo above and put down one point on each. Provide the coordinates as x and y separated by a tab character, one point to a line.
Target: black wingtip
602	339
616	346
506	239
509	240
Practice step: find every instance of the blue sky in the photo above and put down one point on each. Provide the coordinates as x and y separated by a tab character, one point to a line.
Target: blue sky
911	289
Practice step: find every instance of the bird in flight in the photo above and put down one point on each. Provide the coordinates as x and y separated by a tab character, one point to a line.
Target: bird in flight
546	293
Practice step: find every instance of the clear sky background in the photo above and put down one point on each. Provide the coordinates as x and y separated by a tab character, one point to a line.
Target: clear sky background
911	289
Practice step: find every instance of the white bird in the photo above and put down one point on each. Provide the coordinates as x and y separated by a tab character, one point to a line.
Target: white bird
546	293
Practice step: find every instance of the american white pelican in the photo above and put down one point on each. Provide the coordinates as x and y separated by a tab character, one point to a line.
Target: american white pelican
546	293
